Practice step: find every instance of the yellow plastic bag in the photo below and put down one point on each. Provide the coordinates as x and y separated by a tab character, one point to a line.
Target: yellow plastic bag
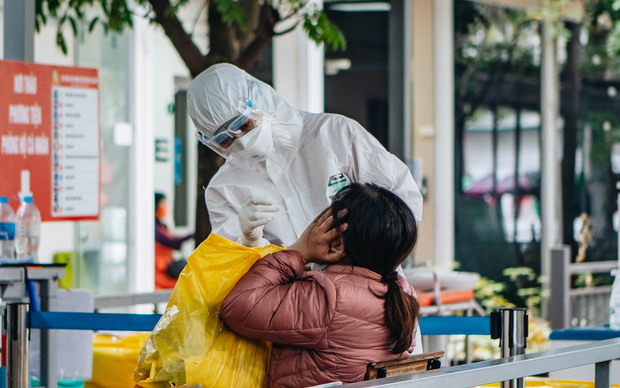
190	344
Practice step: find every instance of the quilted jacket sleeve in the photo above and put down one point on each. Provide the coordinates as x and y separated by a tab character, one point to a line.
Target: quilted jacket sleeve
277	301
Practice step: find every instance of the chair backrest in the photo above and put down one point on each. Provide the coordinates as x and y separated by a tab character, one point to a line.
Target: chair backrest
417	363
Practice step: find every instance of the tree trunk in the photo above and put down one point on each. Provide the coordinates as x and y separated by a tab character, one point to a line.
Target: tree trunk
571	113
208	164
228	43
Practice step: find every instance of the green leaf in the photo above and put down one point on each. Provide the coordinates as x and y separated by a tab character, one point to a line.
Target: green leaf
321	30
92	24
73	25
231	12
60	41
104	7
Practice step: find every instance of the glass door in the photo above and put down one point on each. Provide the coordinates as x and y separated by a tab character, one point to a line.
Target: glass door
102	246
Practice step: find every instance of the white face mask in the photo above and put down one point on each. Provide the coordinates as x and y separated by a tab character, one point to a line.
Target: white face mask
256	144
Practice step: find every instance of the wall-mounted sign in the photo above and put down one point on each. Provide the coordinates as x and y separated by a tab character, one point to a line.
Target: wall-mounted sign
49	126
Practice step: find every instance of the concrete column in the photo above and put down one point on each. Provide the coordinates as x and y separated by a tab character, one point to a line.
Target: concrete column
444	132
421	67
141	205
298	70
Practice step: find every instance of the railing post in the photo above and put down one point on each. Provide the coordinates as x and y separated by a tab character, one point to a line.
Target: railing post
17	343
510	325
559	314
602	372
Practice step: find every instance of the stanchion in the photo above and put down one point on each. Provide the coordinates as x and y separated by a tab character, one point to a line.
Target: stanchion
511	327
17	345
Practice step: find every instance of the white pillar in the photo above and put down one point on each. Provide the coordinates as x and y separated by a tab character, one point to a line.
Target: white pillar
298	70
550	195
141	201
444	132
19	30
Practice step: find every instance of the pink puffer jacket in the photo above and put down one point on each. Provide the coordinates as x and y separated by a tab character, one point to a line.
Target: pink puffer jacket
325	325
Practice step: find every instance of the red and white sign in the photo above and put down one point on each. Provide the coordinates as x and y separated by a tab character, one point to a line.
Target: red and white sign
49	125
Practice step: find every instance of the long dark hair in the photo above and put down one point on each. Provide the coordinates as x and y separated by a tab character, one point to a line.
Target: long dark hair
381	232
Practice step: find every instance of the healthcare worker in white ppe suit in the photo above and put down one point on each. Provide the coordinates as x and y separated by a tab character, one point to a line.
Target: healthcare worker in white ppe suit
283	165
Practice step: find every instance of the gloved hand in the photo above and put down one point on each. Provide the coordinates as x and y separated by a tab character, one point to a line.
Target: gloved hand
253	216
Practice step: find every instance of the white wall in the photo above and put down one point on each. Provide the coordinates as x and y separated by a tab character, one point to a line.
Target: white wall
298	73
166	65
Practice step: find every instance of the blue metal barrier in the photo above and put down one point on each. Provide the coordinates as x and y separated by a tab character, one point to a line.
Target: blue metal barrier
146	322
455	325
92	321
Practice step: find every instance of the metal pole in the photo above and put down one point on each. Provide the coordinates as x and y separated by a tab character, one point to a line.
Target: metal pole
550	194
510	326
17	343
559	306
602	374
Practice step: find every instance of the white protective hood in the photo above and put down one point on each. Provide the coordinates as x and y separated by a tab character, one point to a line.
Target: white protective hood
224	91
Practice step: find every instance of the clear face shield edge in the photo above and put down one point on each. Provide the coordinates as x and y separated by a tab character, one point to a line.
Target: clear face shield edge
233	129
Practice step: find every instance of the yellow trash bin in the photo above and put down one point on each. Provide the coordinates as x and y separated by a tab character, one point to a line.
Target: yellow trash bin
114	360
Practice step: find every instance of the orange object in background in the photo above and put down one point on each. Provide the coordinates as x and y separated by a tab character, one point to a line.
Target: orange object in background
447	297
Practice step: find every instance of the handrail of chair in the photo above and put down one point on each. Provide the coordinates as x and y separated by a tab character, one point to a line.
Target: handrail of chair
487	372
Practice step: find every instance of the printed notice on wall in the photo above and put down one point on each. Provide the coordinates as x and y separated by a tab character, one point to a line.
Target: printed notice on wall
49	126
75	173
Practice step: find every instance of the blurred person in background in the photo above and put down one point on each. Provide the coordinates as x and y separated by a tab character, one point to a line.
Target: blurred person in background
167	269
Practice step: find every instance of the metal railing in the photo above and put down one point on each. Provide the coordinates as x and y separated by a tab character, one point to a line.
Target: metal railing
570	307
122	300
509	368
486	372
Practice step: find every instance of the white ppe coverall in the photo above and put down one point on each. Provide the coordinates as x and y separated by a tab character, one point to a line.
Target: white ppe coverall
304	157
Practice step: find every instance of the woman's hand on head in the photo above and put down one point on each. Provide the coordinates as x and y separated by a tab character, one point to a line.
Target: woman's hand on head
321	242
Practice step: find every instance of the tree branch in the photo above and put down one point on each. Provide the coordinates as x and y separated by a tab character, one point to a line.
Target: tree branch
223	40
181	40
287	30
251	55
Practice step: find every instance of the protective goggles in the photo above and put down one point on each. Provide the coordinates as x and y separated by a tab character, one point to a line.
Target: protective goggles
231	130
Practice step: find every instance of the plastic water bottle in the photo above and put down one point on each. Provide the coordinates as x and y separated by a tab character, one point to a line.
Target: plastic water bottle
7	230
614	302
28	230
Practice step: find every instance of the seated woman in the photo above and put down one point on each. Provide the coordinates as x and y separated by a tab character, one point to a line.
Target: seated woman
328	325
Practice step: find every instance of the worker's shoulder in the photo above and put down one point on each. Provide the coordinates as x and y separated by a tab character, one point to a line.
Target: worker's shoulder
331	122
228	173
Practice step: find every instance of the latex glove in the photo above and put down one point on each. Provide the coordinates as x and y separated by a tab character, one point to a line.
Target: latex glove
254	215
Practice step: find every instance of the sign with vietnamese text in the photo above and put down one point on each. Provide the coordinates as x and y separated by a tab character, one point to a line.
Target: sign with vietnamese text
49	126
